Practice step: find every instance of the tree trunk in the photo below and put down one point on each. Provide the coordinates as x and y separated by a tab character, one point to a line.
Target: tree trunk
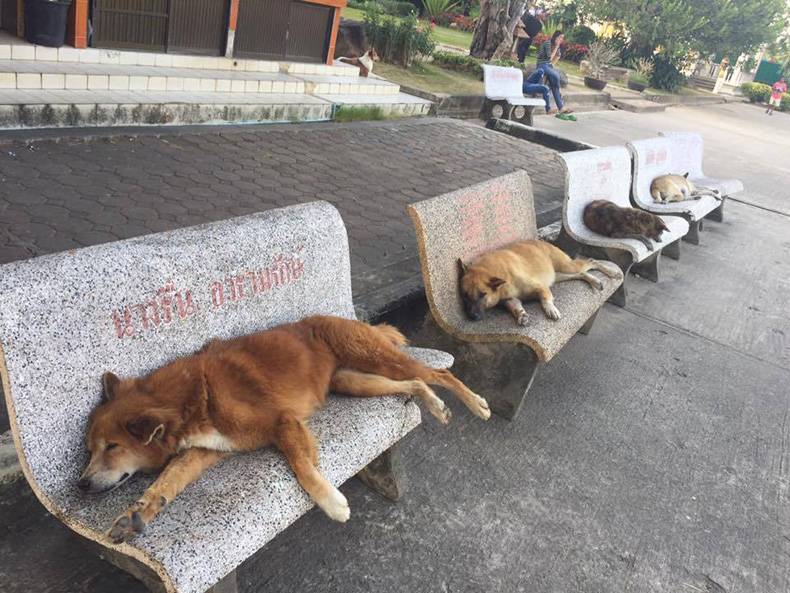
493	35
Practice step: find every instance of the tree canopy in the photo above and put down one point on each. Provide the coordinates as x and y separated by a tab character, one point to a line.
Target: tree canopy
708	26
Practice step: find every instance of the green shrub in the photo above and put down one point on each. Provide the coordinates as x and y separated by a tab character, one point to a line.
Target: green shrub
397	41
391	7
397	8
756	92
785	104
666	75
459	62
581	34
434	8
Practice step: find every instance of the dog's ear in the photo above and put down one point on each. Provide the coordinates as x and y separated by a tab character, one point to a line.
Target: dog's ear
109	382
146	429
462	267
495	282
686	175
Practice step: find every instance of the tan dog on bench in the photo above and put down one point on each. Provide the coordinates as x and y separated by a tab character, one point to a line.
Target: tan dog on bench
678	188
244	394
523	270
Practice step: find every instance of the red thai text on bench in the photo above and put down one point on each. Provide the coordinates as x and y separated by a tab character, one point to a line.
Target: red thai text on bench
169	304
495	208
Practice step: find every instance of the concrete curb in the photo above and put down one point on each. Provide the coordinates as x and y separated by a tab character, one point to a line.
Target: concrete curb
9	462
551	140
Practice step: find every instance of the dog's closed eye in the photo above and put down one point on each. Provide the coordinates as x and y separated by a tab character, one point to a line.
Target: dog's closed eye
110	446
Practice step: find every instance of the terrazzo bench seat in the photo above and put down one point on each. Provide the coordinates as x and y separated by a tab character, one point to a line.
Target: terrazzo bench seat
504	95
605	174
687	151
495	356
133	305
677	154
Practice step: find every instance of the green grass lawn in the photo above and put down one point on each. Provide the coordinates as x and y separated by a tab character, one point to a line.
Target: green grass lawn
432	78
443	35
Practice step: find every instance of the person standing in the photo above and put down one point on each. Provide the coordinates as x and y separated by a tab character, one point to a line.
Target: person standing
527	28
778	89
549	54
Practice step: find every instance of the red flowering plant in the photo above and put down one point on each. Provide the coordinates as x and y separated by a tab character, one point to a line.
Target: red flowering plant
573	52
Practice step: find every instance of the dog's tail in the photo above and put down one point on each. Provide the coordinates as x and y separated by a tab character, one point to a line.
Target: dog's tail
392	334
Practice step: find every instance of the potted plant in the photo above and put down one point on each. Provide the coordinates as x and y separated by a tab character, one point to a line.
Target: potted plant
639	79
599	58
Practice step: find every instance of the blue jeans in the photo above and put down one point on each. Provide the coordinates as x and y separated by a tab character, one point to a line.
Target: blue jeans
532	88
553	78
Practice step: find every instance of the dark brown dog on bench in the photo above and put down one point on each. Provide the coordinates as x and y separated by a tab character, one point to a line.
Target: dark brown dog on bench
245	394
610	220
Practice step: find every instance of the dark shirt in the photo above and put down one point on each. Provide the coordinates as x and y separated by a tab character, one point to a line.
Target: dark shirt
532	25
544	53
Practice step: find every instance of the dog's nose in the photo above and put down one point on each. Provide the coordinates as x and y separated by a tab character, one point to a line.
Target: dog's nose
84	484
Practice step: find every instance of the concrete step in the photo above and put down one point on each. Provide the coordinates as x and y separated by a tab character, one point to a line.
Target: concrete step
12	48
36	74
73	108
636	105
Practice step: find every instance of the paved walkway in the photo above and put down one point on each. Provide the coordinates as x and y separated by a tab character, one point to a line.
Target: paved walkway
72	193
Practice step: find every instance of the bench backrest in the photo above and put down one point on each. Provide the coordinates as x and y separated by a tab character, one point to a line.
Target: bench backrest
596	174
502	82
463	224
133	305
651	159
686	152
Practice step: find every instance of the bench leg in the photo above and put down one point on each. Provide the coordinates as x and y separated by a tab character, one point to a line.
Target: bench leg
717	215
503	372
385	475
496	110
585	329
693	235
526	118
648	268
226	585
672	250
624	261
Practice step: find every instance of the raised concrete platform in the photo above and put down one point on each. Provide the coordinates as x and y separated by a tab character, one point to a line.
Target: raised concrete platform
48	87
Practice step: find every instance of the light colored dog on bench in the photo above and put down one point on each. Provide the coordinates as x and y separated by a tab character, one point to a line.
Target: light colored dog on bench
678	188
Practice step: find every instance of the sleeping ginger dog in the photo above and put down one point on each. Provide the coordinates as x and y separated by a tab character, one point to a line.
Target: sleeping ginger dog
521	271
244	394
678	188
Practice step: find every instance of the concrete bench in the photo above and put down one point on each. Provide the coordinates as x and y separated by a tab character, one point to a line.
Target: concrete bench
658	156
687	151
504	96
494	355
605	174
133	305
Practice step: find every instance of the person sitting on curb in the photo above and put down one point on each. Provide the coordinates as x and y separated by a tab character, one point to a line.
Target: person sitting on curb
533	84
778	89
548	55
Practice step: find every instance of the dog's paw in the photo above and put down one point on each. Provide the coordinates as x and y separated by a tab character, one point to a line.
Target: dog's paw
596	284
126	527
479	407
439	409
335	505
433	402
523	319
552	312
